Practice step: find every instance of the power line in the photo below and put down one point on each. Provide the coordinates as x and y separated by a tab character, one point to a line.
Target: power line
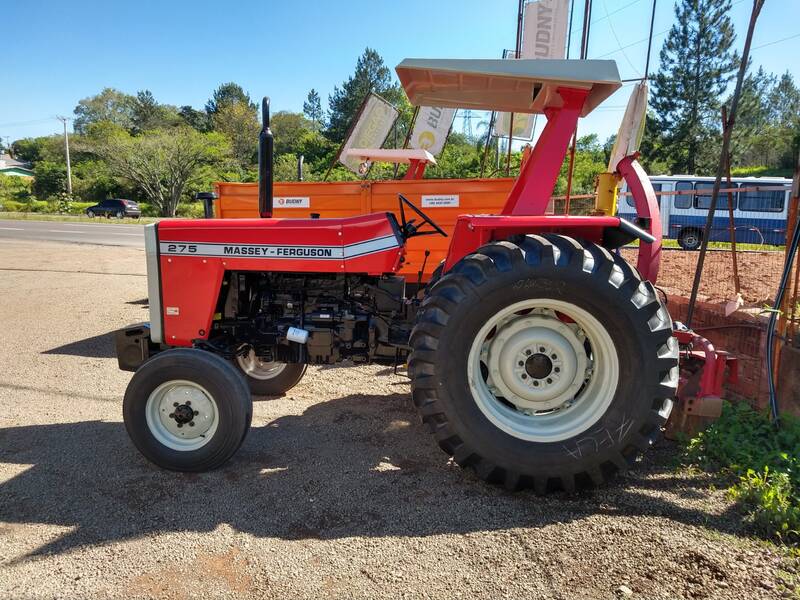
791	37
32	122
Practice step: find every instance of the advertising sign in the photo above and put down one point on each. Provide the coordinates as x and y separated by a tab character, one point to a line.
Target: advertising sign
372	126
431	128
544	35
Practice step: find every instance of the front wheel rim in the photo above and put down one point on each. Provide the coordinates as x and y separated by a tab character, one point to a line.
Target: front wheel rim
252	366
182	415
543	370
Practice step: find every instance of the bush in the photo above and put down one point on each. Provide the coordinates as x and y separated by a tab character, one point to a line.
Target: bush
765	461
11	206
190	210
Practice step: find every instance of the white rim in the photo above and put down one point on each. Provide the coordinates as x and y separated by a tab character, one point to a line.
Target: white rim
543	370
182	415
256	368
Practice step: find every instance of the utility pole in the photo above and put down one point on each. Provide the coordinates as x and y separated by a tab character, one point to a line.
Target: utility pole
66	152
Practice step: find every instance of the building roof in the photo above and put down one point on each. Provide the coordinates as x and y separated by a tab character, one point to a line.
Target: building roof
6	162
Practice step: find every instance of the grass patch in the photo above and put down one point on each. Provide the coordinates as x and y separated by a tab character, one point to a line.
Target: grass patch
25	216
765	463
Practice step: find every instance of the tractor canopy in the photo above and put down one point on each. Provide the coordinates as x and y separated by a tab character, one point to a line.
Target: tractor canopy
520	86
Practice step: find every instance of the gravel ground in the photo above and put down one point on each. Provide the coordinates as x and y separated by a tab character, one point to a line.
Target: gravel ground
337	491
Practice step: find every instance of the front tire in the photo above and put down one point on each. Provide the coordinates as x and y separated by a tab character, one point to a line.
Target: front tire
187	410
268	378
546	363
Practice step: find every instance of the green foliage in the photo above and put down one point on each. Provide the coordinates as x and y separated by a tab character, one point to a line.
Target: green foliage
109	105
238	122
15	189
49	179
163	162
226	95
697	65
765	460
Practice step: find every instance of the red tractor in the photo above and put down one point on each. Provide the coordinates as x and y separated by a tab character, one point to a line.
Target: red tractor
537	355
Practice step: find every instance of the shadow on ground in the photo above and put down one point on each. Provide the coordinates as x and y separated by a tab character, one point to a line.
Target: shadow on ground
355	466
98	346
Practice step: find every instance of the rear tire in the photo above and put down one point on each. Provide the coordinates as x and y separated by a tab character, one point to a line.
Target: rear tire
269	378
690	239
606	378
187	410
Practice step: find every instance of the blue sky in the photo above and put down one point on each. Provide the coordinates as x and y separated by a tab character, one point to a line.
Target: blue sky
56	53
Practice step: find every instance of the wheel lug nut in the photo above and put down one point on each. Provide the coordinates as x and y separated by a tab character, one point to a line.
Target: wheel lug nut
188	403
557	370
524	376
520	363
541	348
191	423
175	404
180	425
549	380
171	415
197	412
527	352
553	356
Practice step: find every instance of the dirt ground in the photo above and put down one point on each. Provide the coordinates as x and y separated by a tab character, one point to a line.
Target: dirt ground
759	274
336	492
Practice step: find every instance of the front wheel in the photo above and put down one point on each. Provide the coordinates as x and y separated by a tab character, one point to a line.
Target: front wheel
546	363
269	378
187	410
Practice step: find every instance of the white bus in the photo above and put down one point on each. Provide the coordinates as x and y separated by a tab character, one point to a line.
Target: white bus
759	217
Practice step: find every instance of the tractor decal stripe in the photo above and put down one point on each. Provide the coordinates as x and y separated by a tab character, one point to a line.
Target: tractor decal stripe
279	251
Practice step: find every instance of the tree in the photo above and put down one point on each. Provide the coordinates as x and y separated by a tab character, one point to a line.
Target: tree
696	66
312	107
371	75
289	129
239	123
162	162
109	105
197	119
226	95
147	113
751	144
49	179
784	100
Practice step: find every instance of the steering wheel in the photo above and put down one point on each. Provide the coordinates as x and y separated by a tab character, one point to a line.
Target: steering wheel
408	227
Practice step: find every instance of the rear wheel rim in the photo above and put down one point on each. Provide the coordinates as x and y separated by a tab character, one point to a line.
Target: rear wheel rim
543	370
182	415
252	366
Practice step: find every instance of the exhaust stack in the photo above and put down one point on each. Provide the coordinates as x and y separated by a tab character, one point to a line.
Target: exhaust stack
265	153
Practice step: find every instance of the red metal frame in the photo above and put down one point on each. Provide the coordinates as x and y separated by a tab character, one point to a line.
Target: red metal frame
717	364
416	169
644	198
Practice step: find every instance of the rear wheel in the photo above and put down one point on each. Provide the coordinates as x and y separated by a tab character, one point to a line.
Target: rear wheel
187	410
690	239
269	378
546	363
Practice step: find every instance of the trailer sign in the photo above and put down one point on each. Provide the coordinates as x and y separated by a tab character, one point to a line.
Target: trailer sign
291	202
440	201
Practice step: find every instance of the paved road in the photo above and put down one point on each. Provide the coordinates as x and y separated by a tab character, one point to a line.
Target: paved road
103	234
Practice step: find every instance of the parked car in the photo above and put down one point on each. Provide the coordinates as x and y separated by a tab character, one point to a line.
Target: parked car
115	207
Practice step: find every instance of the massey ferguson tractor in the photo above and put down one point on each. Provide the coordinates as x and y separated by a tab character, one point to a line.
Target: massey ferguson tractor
537	356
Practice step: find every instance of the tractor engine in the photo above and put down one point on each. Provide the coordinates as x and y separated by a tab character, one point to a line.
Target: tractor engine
313	318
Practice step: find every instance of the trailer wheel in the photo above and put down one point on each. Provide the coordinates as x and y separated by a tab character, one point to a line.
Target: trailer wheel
544	363
269	378
187	410
690	239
